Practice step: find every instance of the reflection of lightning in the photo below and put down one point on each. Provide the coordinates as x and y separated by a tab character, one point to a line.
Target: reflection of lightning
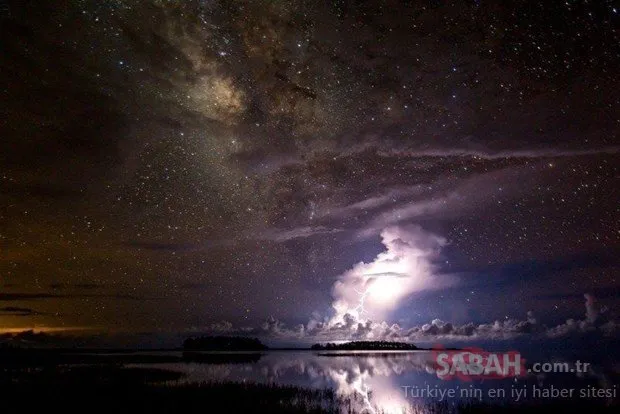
365	393
365	382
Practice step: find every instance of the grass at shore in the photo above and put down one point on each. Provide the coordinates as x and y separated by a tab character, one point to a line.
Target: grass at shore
193	398
227	398
131	394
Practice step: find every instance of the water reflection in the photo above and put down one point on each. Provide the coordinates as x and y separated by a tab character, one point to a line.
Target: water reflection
372	380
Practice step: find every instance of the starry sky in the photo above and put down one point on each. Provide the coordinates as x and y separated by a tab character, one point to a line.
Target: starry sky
177	166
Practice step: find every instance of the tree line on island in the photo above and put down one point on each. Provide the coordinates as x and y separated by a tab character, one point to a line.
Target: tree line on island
238	343
365	346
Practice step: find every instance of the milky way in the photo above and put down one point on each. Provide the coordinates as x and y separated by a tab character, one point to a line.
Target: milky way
170	165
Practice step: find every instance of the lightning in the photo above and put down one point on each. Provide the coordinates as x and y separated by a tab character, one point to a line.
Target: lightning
359	309
371	290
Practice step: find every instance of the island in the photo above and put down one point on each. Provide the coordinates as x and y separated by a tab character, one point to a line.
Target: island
365	346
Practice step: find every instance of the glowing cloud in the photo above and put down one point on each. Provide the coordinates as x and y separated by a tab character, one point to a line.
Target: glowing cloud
369	291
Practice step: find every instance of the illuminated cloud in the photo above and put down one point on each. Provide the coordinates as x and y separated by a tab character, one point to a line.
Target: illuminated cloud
598	321
372	290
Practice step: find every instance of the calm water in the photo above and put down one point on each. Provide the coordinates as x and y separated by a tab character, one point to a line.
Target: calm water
378	379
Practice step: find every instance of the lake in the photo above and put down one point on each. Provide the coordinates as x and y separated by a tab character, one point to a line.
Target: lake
390	382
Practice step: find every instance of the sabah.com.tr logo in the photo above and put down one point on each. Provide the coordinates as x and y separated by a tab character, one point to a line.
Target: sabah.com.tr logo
472	363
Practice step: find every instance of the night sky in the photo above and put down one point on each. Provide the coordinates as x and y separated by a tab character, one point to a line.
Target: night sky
226	166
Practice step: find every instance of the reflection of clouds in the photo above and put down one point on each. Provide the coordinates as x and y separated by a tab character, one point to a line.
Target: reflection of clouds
366	379
370	390
371	382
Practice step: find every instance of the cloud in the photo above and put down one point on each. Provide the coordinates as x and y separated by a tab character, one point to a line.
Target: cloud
10	297
591	311
284	235
42	336
223	326
597	321
385	198
13	297
371	290
451	197
28	337
17	311
503	154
